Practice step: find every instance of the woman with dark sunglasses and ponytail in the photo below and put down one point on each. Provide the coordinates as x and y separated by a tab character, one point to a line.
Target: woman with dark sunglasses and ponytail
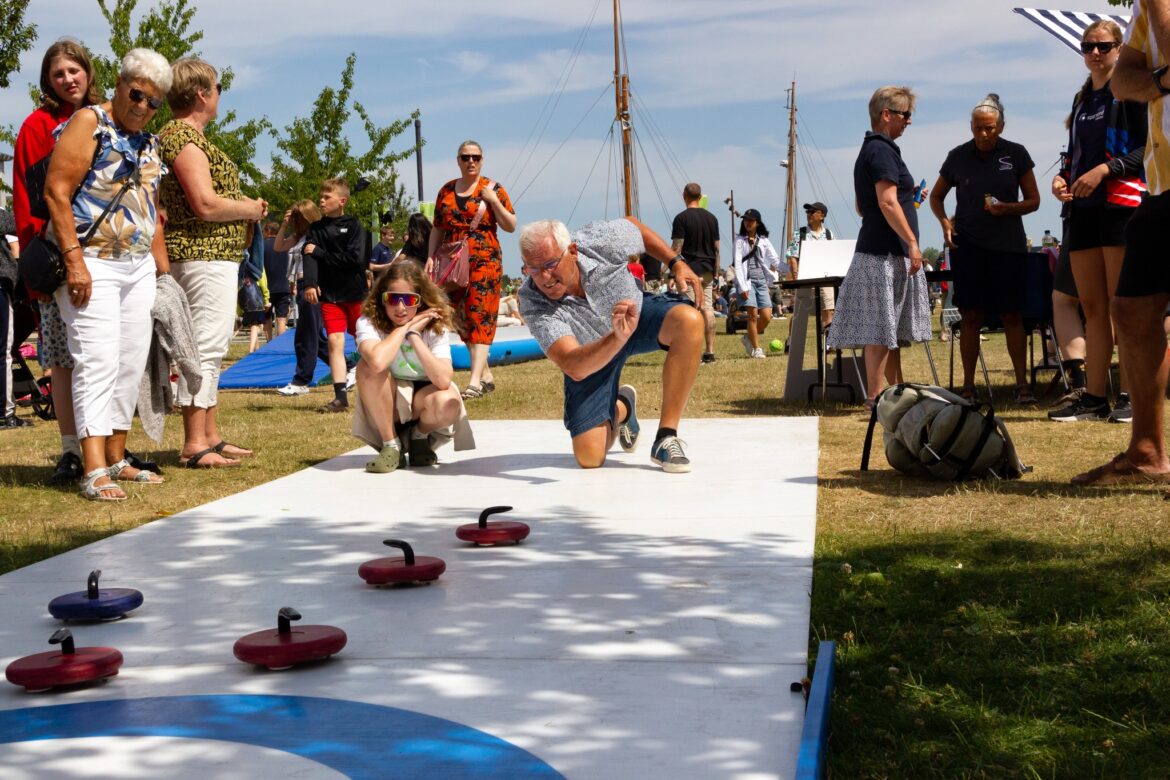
404	379
1101	183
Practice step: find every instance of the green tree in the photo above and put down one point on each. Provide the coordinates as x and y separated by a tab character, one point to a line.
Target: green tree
166	28
931	255
16	38
314	148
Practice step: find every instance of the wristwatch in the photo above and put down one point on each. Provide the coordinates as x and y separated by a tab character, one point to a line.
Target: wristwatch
673	260
1157	75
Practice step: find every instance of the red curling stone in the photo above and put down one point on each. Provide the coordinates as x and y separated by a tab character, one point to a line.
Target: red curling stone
401	571
495	532
69	666
286	647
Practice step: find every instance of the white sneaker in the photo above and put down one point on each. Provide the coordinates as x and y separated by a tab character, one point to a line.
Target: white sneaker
747	344
758	352
291	389
350	379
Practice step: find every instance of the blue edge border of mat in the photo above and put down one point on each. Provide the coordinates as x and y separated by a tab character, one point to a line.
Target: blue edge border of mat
810	763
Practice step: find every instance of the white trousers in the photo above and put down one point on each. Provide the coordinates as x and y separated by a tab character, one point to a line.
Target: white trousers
210	286
109	339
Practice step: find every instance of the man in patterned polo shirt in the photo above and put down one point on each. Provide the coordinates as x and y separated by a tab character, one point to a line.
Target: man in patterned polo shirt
1143	289
586	312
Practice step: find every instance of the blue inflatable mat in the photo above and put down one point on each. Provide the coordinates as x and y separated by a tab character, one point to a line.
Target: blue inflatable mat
273	364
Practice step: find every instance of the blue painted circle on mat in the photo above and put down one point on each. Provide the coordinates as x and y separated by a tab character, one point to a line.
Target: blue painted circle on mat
357	739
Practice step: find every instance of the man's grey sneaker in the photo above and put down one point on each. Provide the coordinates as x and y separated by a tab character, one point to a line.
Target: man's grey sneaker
1072	396
669	454
747	344
1081	409
291	389
628	431
1122	411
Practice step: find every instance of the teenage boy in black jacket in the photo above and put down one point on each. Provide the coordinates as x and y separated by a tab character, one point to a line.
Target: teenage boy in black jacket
337	250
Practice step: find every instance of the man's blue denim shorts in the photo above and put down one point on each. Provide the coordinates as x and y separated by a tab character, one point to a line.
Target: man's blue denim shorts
590	401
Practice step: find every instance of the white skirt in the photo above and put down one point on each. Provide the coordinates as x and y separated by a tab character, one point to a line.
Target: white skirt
881	303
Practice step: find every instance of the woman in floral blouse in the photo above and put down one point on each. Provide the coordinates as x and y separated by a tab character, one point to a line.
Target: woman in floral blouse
104	155
456	208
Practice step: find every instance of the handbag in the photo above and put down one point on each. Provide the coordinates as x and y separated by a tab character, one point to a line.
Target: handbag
41	264
452	268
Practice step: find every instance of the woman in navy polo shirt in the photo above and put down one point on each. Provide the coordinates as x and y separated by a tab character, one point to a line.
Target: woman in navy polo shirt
1101	184
987	240
883	304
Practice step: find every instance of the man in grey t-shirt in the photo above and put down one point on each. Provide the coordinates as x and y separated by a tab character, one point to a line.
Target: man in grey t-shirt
586	312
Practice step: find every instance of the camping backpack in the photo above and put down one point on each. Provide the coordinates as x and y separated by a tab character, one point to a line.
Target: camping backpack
932	432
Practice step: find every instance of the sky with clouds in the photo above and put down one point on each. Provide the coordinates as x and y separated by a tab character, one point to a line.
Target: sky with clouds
532	81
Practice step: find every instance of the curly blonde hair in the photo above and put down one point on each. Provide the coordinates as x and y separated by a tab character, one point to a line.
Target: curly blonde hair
432	297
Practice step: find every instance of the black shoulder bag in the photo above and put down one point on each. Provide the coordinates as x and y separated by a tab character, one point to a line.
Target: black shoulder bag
41	264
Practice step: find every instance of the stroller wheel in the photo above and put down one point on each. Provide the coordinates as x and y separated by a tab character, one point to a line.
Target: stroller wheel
42	399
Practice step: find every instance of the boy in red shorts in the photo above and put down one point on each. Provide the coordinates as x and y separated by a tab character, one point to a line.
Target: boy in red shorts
337	249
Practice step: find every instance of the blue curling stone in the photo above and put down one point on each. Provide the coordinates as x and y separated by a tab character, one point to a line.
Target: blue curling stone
110	603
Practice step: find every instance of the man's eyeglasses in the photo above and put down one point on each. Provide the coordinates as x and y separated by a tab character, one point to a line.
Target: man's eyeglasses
1104	47
409	300
138	96
545	267
904	114
471	157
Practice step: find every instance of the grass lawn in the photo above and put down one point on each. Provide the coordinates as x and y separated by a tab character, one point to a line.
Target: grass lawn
1017	629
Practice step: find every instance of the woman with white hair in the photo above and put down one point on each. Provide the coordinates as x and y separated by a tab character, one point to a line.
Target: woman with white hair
883	304
987	241
105	172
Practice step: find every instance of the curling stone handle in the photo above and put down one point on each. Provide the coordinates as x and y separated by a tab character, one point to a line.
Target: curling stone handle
491	510
63	637
91	586
407	550
284	619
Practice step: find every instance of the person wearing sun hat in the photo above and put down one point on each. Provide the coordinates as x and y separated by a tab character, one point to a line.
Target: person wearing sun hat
814	229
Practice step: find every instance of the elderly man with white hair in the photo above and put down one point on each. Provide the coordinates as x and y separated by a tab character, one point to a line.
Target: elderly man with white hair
585	310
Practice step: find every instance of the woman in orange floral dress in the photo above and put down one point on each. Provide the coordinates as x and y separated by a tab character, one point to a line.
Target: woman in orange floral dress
476	306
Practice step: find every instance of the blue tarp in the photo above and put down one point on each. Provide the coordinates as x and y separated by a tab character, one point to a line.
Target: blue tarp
273	364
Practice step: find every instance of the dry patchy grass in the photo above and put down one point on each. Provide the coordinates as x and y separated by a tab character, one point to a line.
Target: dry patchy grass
985	629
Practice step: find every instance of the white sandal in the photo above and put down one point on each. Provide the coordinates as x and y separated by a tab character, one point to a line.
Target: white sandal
95	492
143	477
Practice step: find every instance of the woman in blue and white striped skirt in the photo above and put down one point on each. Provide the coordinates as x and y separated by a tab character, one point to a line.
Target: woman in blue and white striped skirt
884	303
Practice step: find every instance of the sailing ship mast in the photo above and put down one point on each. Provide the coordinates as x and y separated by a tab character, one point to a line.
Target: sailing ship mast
790	164
621	85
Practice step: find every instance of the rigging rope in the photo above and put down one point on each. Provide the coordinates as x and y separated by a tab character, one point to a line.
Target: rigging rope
825	166
608	140
554	99
653	181
556	151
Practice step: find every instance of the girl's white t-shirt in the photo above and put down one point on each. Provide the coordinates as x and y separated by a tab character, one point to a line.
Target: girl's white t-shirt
406	364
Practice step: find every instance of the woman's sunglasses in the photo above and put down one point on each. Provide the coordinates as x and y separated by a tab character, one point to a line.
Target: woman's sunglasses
138	96
409	300
471	157
1104	47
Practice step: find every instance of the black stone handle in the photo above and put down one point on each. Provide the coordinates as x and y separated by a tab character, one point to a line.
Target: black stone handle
491	510
407	550
91	586
63	637
284	619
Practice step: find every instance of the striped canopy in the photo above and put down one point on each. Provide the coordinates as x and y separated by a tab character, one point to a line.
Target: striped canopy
1068	26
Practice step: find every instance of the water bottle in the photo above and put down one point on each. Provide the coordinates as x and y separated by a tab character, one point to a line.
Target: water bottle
1048	240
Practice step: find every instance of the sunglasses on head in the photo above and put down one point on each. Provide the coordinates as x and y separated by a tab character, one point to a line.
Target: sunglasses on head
1104	47
138	96
471	157
409	300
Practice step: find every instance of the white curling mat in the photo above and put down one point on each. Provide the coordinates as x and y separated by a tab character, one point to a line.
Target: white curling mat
649	627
